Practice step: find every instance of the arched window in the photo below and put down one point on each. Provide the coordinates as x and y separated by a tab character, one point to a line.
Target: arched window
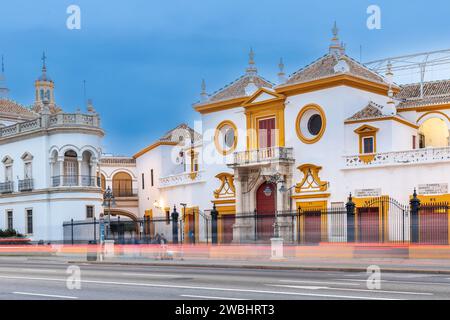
433	133
122	185
70	177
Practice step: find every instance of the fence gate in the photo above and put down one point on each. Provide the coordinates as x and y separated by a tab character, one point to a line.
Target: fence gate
382	219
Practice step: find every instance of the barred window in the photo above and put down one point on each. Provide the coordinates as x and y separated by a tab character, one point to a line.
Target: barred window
89	212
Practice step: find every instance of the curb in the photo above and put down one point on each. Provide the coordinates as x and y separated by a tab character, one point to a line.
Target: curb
261	267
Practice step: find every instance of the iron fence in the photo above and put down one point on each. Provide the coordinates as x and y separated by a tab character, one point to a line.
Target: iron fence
379	220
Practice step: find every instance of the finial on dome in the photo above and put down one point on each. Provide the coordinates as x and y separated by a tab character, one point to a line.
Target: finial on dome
281	74
203	94
251	69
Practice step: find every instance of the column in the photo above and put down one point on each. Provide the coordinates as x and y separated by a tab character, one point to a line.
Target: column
61	171
78	177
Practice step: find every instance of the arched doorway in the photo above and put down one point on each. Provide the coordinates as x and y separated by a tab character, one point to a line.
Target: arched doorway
122	185
433	133
265	210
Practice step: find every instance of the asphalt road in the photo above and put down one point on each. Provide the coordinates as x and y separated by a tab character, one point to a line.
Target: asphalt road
22	278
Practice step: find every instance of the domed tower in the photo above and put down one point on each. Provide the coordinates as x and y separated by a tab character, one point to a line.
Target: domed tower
44	90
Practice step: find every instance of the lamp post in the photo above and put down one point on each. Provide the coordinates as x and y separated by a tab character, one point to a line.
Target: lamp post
109	201
184	205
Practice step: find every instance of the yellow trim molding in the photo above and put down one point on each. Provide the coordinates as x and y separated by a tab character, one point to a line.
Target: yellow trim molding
393	118
300	135
433	112
220	105
338	80
273	108
363	132
226	189
217	134
311	196
432	107
153	146
311	180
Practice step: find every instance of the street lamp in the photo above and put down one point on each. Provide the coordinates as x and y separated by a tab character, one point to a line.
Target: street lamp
109	201
274	179
184	205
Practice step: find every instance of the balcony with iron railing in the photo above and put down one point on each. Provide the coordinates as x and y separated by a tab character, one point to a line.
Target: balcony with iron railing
74	181
7	187
262	156
395	158
26	185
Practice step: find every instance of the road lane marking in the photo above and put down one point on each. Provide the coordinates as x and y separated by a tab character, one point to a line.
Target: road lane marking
149	275
42	270
321	282
207	297
408	282
44	295
202	288
359	290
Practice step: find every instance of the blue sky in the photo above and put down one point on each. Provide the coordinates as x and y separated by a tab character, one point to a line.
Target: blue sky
143	60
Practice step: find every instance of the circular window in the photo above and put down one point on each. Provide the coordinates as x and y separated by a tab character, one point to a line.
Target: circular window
315	124
310	124
226	137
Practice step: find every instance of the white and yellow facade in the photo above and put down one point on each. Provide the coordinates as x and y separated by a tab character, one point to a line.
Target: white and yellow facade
330	129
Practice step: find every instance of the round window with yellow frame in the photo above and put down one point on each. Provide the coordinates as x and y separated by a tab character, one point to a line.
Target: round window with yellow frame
225	137
310	123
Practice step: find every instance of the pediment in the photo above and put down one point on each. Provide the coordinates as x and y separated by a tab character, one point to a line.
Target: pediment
263	95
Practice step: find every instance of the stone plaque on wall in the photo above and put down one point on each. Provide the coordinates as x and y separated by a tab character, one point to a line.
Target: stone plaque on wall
366	193
432	188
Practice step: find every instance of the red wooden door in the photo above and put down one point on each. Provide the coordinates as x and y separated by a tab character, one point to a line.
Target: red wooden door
266	133
265	208
369	225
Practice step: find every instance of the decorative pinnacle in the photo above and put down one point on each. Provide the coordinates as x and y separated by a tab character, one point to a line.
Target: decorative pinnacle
44	67
335	30
251	69
281	66
203	93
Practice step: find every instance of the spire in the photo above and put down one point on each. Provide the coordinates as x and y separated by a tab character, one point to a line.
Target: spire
203	94
281	74
44	67
251	69
335	46
3	87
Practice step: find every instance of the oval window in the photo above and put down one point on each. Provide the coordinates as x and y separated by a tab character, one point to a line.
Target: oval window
226	137
315	124
310	123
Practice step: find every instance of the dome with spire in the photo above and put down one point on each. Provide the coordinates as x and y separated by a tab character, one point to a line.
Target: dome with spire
241	87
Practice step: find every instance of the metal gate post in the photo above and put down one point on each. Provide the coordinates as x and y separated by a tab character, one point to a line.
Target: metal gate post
175	225
214	215
350	206
415	207
71	223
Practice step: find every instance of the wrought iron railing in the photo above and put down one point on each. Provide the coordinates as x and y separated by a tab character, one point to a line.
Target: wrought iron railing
263	155
26	185
7	187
